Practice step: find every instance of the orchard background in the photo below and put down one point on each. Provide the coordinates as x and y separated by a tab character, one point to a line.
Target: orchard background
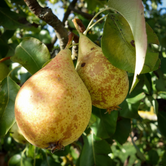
31	34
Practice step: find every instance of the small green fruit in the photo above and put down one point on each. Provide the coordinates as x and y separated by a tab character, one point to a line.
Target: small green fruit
17	135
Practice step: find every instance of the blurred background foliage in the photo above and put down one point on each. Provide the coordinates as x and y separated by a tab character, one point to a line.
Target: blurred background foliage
132	136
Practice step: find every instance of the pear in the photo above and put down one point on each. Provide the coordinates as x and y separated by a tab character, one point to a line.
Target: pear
53	107
108	85
17	135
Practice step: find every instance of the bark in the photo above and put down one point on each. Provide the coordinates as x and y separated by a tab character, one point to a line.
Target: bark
45	14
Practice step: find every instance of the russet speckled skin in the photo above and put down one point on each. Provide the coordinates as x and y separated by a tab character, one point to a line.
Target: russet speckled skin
108	85
53	106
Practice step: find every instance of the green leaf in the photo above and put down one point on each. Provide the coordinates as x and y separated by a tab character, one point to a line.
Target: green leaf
139	153
160	82
95	152
136	98
123	130
164	158
27	161
105	124
162	122
15	160
93	119
133	12
9	19
32	54
42	35
162	94
153	157
152	56
8	92
4	46
91	5
129	110
124	151
148	83
30	151
117	43
50	161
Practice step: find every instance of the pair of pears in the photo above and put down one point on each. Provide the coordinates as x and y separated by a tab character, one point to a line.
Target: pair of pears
53	107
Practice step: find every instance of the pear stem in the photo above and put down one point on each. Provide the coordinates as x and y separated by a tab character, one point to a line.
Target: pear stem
70	39
89	25
96	23
75	44
78	25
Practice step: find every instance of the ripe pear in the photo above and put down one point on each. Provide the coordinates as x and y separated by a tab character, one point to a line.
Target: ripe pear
17	135
53	107
108	85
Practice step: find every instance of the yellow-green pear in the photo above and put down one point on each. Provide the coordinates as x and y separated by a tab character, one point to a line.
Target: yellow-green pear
17	135
108	85
53	107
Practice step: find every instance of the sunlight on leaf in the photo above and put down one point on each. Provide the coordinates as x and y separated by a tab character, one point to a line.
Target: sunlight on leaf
133	12
95	151
99	127
8	92
118	43
31	53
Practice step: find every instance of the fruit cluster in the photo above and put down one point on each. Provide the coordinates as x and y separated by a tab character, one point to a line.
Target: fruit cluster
54	106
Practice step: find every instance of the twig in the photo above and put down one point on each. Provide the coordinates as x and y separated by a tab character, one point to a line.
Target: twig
4	59
69	9
85	15
45	14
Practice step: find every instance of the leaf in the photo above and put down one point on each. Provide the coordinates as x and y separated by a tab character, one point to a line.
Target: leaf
162	122
95	152
91	5
164	158
8	92
4	46
105	124
136	99
139	153
32	54
50	161
9	19
162	94
123	129
152	56
153	157
129	110
117	43
133	12
124	151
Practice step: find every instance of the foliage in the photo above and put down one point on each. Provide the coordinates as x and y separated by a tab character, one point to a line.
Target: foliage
133	135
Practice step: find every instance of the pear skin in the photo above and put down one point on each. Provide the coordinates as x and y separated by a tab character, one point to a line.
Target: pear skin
107	85
53	107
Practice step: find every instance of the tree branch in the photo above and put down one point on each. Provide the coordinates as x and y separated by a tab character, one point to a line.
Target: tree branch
85	15
67	13
46	15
